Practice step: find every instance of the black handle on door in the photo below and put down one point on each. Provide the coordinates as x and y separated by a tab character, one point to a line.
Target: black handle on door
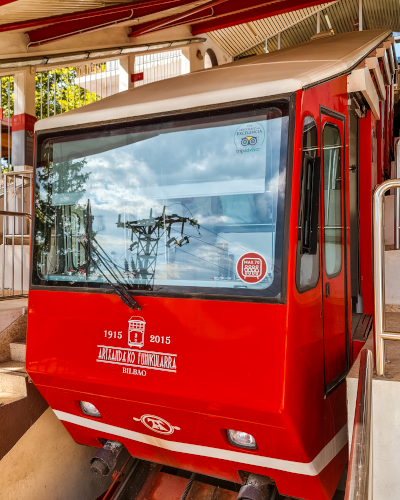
328	290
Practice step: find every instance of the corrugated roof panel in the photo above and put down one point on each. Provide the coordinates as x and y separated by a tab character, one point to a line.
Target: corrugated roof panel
267	28
299	26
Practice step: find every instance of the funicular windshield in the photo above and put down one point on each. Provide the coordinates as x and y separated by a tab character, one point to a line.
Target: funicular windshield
171	205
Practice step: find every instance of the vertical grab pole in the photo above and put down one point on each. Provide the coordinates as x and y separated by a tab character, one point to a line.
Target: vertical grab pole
360	15
379	277
359	477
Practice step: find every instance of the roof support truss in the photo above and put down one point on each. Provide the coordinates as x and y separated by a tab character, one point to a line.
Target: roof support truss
253	15
139	8
99	21
205	12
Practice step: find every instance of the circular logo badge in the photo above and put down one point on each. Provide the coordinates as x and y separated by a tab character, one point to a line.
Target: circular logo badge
157	424
251	268
249	137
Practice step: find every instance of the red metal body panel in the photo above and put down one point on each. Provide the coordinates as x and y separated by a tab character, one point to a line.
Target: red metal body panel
334	304
253	367
380	144
387	132
366	130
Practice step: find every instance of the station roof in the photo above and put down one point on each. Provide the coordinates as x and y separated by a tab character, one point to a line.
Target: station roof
248	38
280	72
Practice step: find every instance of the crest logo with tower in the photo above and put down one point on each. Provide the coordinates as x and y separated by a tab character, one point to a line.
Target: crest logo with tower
136	331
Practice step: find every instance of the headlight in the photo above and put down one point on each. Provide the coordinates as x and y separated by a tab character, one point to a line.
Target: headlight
89	409
241	439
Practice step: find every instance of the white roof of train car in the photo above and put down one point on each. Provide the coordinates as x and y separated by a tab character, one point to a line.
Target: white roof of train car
280	72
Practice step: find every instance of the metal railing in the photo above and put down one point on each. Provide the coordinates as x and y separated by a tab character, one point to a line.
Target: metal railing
160	66
61	90
17	202
381	335
397	200
359	477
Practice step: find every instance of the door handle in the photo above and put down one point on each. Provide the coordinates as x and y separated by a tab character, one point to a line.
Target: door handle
328	290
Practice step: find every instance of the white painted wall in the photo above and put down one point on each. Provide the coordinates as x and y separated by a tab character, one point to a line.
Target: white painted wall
386	426
17	267
389	220
197	64
392	277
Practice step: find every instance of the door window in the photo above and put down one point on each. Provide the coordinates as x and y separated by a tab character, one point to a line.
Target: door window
307	267
332	200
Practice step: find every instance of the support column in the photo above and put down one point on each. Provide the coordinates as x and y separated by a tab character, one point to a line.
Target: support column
195	54
24	119
279	41
318	21
360	16
123	74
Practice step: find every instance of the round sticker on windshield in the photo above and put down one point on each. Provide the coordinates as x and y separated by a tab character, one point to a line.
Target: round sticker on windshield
249	137
251	268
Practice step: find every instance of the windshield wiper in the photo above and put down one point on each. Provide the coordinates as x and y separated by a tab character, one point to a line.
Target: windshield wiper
118	287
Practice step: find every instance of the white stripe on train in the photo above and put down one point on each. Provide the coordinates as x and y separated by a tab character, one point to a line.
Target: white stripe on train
307	469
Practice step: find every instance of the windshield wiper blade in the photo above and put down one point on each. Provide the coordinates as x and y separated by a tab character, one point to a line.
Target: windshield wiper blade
118	287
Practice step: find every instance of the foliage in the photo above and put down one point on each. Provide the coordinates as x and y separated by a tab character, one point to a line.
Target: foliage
67	178
56	92
7	91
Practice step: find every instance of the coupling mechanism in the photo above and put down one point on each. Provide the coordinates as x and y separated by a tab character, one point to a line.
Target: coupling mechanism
257	488
105	459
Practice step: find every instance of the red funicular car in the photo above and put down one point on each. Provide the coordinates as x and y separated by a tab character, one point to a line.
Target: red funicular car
196	262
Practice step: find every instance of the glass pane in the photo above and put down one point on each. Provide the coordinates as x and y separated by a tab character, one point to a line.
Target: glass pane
167	205
332	202
310	138
307	269
331	136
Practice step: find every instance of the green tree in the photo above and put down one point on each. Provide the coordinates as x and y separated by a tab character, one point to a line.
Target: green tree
57	91
7	96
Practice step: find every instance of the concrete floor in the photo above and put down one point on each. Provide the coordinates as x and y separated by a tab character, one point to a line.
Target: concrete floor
393	322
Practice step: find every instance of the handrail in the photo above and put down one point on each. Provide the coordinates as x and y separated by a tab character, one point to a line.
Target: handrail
16	225
359	476
16	214
379	276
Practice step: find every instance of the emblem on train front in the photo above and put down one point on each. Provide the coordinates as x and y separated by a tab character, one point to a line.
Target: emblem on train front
157	424
136	331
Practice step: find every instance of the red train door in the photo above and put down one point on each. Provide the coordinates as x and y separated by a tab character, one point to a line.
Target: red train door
333	245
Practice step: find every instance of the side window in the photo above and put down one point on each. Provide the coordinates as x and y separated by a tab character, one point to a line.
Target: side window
307	261
332	201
